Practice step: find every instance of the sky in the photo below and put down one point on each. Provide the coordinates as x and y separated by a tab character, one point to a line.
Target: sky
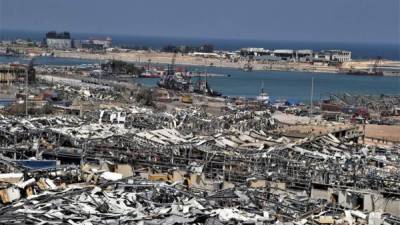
362	21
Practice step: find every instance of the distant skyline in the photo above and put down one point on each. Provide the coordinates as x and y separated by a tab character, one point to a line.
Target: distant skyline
364	21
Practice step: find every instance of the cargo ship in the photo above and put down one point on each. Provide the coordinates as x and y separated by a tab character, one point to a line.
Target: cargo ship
202	87
181	81
365	73
175	81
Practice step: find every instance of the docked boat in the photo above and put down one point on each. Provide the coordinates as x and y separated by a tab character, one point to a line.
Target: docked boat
175	81
202	87
151	74
263	97
365	73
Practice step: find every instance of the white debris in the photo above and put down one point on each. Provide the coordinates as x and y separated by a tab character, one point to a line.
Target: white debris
111	176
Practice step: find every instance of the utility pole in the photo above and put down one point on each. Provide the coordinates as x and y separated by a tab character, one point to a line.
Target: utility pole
99	77
311	98
398	81
206	74
148	64
26	92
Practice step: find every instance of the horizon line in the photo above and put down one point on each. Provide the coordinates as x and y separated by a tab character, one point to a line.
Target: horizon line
196	38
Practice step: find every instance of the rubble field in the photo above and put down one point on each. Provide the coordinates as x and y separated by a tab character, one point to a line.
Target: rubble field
131	164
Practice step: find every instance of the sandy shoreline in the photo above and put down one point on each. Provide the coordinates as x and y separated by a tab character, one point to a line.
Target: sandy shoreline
190	60
165	58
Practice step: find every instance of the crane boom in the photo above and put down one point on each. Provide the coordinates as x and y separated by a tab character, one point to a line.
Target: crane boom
171	67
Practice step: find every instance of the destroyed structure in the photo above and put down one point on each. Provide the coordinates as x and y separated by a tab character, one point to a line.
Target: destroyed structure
381	105
16	73
126	164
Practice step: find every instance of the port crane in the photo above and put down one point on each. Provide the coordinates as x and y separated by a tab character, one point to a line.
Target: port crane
174	81
377	62
248	66
171	67
182	82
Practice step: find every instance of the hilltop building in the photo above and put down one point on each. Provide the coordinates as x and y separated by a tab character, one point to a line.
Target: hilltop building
254	52
56	40
63	41
105	43
340	55
301	55
94	43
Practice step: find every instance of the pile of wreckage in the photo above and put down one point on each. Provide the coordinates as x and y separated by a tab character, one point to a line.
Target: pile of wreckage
136	166
139	201
382	105
70	89
84	93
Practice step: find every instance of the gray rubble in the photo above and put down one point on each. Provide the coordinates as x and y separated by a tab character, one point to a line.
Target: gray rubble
134	165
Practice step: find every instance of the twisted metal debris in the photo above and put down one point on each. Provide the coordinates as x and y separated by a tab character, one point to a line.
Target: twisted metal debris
189	167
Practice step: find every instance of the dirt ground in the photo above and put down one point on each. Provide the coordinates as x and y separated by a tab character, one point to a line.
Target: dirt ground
215	108
390	133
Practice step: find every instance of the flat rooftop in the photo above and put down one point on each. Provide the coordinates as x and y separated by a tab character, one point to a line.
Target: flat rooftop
302	131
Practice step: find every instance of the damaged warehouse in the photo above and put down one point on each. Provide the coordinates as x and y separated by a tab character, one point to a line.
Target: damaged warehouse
188	167
104	158
186	113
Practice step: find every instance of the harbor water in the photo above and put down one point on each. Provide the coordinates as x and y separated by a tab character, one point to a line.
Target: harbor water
288	85
294	85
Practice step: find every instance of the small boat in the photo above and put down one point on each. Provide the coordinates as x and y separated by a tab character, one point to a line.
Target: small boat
263	97
150	74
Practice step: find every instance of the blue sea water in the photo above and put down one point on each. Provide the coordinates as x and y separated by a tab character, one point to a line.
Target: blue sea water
288	85
359	50
295	85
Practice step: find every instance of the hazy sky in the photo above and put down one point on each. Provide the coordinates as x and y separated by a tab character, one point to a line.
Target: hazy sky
375	21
